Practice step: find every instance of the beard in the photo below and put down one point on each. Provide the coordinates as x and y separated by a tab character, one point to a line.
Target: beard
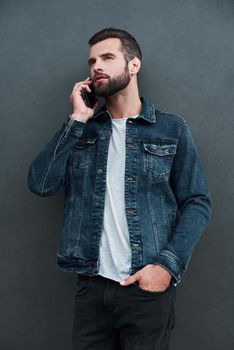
114	85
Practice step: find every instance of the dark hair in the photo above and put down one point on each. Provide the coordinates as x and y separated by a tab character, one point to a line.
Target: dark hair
129	47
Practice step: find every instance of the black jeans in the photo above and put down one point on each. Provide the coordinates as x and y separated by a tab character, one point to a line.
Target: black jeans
109	316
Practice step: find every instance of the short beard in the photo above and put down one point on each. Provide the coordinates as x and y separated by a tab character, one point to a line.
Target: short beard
114	84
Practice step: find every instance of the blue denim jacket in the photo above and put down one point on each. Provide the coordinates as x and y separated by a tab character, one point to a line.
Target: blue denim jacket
167	201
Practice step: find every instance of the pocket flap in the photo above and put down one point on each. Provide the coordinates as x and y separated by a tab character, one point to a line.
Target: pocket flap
84	142
160	150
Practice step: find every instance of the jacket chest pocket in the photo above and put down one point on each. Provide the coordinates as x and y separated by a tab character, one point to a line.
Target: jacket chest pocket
158	158
83	152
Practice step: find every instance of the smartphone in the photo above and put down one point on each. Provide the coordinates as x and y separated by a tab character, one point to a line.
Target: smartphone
89	98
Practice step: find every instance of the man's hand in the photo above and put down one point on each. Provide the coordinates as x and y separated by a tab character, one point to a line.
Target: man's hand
152	277
81	111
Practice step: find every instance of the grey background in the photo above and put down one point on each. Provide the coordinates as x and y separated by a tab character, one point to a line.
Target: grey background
187	69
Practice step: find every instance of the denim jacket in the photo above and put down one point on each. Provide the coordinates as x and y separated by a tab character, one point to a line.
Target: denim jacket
167	202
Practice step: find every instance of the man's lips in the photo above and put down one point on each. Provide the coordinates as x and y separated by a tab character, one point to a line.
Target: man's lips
100	78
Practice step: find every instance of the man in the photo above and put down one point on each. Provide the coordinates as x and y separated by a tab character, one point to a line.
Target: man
136	202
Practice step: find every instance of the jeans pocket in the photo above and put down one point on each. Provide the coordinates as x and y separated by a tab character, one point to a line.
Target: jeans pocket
150	292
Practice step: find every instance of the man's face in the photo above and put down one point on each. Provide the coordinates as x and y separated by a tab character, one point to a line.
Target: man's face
106	58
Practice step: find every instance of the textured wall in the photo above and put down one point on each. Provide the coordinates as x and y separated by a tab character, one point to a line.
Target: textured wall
188	52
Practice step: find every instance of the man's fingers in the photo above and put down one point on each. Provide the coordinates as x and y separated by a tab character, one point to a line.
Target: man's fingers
129	280
81	85
86	81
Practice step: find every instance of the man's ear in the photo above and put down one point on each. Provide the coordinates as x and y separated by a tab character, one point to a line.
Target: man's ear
135	65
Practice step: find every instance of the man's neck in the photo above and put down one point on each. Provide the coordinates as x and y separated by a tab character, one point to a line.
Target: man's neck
123	106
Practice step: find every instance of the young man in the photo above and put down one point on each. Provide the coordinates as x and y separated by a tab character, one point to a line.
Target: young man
136	203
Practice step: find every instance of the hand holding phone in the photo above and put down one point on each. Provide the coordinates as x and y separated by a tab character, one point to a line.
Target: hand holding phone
84	100
90	98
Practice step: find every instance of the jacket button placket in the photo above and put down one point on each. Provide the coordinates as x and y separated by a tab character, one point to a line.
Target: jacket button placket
130	194
100	186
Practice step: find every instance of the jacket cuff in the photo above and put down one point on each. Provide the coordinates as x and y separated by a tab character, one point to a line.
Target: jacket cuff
171	263
74	127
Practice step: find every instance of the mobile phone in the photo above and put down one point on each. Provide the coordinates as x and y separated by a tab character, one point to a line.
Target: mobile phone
89	98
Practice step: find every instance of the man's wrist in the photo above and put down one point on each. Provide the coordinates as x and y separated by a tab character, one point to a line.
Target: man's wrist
77	117
164	268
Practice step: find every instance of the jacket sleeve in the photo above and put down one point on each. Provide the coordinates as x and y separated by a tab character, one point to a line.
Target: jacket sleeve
47	171
194	205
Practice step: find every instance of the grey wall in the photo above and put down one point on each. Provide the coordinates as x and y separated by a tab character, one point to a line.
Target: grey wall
187	69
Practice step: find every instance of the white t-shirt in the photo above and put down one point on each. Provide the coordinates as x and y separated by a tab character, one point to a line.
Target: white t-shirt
114	249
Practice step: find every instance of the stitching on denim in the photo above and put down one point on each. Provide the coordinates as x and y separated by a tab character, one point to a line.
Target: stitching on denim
63	136
152	216
171	256
83	204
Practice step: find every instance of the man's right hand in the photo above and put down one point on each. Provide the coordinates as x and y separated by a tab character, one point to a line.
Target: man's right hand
81	111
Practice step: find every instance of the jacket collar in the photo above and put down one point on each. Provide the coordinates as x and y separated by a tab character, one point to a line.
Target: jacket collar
148	111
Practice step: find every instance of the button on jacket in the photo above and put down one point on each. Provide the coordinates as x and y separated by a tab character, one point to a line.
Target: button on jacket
167	202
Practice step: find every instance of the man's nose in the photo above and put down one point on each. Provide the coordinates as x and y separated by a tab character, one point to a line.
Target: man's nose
97	67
